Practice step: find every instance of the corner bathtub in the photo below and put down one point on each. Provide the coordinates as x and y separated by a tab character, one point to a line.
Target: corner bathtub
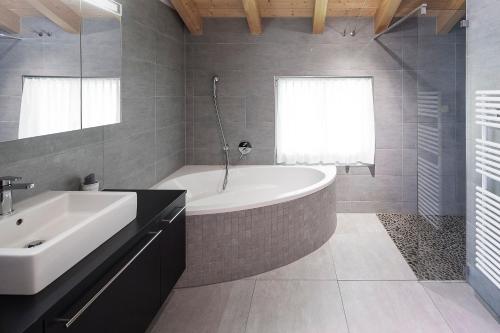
268	216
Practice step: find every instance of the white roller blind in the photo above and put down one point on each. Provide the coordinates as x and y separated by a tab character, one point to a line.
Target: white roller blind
101	101
325	120
49	105
52	104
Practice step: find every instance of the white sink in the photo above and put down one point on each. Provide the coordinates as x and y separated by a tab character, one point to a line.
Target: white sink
69	225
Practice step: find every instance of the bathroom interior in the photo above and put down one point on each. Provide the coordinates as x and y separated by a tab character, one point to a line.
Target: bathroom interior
252	166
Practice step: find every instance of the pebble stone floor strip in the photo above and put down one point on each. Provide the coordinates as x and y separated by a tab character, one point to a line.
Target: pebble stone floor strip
434	247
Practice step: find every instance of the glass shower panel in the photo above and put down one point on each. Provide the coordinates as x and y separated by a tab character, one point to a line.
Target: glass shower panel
440	154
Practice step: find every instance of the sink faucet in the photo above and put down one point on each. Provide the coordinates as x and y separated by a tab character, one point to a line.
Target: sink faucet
6	187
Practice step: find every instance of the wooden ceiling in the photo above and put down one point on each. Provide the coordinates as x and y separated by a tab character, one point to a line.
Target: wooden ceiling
448	12
65	13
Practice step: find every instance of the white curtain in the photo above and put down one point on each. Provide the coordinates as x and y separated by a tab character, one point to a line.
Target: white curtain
325	120
52	105
101	101
49	105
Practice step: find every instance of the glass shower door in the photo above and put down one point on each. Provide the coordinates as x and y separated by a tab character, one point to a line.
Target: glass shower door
440	162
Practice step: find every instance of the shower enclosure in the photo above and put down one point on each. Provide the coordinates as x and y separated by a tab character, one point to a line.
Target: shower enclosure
440	102
431	236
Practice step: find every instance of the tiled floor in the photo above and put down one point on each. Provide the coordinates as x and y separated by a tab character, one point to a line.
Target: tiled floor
357	282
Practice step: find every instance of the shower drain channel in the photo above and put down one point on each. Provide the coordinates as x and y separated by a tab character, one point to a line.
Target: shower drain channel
34	243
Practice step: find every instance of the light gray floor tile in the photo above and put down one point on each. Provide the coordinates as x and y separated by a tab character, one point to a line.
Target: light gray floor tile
219	308
390	306
460	307
358	223
315	266
368	256
296	307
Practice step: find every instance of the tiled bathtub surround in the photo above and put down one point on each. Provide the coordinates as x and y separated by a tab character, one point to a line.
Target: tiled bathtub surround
230	246
247	65
148	145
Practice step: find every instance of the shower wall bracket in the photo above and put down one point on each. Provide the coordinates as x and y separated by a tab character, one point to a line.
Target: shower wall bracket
421	10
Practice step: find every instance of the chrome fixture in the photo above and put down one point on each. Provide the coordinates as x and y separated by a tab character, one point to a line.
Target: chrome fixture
42	33
9	37
356	19
225	147
6	188
245	148
421	10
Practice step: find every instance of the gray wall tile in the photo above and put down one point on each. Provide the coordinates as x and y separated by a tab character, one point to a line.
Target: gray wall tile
248	64
146	146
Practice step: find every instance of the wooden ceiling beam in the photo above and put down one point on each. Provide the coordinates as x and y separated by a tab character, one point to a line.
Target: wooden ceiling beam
253	16
456	4
319	16
9	20
59	13
190	15
447	19
385	13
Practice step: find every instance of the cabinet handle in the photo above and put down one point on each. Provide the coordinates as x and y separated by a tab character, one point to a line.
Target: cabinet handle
70	321
179	211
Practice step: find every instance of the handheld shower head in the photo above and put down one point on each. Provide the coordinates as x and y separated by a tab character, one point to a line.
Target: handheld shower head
215	79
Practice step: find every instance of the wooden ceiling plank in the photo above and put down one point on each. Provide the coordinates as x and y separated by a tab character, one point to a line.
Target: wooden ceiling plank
385	13
9	21
253	16
456	4
190	15
59	13
319	16
447	19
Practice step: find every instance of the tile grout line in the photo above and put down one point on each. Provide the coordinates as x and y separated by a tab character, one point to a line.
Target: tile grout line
435	305
343	307
336	277
250	307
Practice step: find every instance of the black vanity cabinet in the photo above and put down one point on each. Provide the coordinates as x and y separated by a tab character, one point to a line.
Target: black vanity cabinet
173	240
125	300
120	286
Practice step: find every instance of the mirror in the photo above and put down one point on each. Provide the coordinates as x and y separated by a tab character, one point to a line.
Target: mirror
60	67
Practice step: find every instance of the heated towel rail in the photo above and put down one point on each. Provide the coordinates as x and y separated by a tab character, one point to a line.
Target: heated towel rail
429	161
487	245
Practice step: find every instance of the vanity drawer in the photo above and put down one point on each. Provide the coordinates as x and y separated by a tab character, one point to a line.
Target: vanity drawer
125	300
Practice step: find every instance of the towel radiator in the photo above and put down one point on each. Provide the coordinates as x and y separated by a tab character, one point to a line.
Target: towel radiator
487	202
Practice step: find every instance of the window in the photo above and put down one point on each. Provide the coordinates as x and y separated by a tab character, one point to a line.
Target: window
325	120
52	104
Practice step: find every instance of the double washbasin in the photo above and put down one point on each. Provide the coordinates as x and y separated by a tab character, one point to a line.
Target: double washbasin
48	234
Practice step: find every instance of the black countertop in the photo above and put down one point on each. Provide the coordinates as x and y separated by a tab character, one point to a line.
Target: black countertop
19	313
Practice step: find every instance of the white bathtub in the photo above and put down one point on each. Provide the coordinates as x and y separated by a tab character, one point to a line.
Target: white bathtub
248	186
